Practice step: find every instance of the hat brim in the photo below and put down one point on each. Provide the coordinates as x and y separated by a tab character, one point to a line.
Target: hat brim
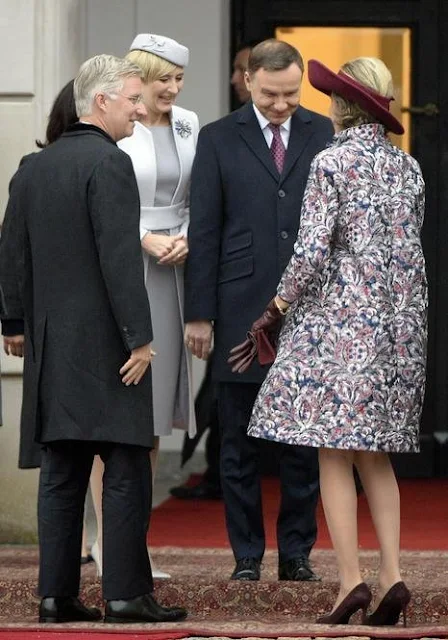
328	82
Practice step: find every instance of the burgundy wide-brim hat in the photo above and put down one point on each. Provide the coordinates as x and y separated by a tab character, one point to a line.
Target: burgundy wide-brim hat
323	79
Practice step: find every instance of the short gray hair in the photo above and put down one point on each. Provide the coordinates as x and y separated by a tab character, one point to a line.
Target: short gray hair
101	74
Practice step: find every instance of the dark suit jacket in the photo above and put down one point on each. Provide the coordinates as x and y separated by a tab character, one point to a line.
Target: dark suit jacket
74	213
244	219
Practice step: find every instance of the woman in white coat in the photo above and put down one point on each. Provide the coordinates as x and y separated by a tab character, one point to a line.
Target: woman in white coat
162	149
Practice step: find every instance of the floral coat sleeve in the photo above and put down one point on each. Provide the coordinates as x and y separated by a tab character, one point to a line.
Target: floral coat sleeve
313	244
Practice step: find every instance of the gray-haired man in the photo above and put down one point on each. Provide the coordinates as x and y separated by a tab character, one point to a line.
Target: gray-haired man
87	383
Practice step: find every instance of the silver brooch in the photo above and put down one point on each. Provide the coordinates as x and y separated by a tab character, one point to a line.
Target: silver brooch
183	128
155	44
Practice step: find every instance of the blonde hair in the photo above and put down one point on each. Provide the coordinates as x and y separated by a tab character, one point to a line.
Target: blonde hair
370	72
152	66
100	74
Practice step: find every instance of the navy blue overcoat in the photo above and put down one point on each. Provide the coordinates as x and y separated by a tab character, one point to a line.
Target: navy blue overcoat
244	218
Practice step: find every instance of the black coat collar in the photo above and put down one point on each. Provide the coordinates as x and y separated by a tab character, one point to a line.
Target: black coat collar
81	127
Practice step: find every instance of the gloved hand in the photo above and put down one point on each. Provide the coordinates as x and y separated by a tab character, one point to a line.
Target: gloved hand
261	340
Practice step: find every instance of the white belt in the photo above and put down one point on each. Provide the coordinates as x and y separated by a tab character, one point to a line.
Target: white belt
154	218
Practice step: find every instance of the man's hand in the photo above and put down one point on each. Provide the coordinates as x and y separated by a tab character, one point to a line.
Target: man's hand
179	253
198	338
14	345
134	369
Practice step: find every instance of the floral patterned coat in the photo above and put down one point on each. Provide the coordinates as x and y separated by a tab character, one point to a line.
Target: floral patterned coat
350	367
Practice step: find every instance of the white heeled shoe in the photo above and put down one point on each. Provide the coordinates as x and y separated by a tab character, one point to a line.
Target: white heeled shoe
97	557
157	573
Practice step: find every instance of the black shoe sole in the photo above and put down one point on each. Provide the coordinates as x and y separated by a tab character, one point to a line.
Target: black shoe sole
114	620
50	620
55	620
316	579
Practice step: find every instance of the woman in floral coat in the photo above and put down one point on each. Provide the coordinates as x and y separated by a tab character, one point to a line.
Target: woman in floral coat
349	374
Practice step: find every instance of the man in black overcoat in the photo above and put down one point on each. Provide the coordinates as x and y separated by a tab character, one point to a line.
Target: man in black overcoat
248	180
73	215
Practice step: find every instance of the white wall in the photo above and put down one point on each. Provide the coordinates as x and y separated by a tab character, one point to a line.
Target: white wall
40	50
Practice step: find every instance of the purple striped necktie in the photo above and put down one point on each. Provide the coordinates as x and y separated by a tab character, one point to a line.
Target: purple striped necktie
278	150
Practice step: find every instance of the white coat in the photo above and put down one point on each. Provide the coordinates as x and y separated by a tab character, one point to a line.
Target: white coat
140	147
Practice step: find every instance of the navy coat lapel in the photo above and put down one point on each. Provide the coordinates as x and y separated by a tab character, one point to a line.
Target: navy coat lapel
299	137
249	129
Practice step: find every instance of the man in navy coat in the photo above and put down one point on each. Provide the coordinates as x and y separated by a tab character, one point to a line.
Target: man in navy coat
248	180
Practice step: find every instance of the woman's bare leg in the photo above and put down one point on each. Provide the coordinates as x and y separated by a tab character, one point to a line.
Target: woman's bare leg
381	489
84	549
340	502
96	489
154	455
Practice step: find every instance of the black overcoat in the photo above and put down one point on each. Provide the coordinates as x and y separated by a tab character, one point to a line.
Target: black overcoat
72	223
11	257
244	218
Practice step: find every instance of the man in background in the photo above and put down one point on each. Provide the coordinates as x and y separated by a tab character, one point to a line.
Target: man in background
240	63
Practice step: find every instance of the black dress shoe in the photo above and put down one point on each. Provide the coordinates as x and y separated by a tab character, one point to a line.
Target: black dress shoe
202	491
297	569
142	609
67	609
246	569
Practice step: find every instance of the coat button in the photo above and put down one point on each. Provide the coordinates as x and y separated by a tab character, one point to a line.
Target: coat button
281	193
284	235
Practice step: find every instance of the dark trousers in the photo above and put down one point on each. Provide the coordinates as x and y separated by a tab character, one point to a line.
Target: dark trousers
241	482
206	410
127	494
212	473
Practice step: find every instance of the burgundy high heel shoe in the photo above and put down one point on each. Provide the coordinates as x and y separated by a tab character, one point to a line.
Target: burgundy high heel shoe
388	611
358	598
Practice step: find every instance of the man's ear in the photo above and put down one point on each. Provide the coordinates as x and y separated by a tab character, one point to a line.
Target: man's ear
101	101
247	81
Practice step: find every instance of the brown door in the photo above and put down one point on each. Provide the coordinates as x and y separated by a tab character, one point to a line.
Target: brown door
411	38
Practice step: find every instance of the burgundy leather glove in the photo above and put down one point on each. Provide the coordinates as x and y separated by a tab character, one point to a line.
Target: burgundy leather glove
261	340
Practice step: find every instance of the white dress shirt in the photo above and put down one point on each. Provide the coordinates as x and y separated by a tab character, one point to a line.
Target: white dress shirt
285	128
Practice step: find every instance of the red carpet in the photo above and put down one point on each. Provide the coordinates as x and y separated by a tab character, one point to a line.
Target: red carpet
76	634
337	632
200	523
